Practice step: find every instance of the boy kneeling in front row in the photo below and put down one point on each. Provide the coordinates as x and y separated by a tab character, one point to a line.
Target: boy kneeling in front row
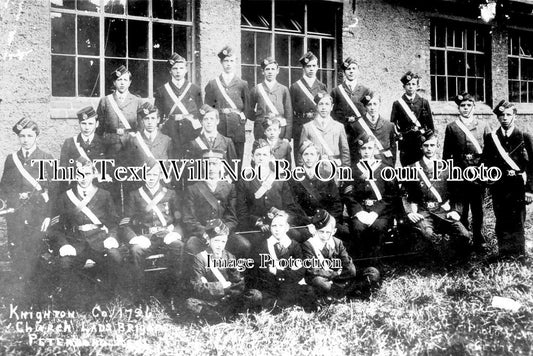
218	292
335	276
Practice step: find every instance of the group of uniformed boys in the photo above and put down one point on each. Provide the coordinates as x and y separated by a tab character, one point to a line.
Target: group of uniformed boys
95	220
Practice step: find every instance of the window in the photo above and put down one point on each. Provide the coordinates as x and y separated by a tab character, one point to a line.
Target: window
520	67
91	38
286	30
458	61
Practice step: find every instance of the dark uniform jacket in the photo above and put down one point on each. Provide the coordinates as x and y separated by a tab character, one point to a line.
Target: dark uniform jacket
337	252
384	131
282	150
410	136
64	227
230	125
181	131
304	108
341	109
202	205
419	193
34	209
313	194
204	283
459	148
270	282
250	209
280	97
221	143
160	148
139	218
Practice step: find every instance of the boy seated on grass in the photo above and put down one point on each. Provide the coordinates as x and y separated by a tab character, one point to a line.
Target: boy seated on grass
218	292
333	273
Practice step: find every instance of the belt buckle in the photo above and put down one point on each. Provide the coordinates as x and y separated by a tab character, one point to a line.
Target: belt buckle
432	205
469	156
178	117
369	202
511	173
120	131
226	111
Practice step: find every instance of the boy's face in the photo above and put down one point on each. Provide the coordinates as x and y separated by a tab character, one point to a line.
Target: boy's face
178	71
27	138
352	72
279	227
310	157
87	127
218	244
311	68
152	176
429	148
507	118
228	64
324	107
272	132
373	106
411	87
150	122
123	83
367	150
326	232
270	72
210	122
466	107
214	168
262	156
85	180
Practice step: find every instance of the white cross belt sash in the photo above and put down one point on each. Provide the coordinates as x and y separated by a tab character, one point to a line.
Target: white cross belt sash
410	114
218	275
372	183
227	98
504	153
426	181
82	205
25	173
201	143
83	154
323	143
265	187
177	101
369	132
349	101
305	91
152	204
143	145
469	135
313	241
119	112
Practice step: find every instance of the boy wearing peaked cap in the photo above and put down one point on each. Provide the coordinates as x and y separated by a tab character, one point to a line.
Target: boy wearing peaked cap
230	95
218	288
302	94
178	102
271	99
464	142
412	116
511	150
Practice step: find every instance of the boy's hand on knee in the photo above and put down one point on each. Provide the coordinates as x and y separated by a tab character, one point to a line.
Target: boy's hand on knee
67	250
110	243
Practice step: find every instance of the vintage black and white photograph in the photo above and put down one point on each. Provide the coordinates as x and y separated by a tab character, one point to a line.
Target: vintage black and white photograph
266	177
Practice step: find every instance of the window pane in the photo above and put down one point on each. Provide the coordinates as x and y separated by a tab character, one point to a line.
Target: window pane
313	45
526	69
63	33
137	7
248	74
441	36
63	80
296	73
461	85
282	50
480	41
115	36
441	89
480	89
247	47
470	40
161	74
138	39
514	91
162	38
289	16
114	6
458	38
452	88
263	45
256	14
513	68
88	5
88	77
139	84
456	63
475	65
526	46
321	17
327	53
283	76
433	88
514	45
530	92
523	92
162	9
183	41
111	65
88	35
182	10
62	4
297	50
